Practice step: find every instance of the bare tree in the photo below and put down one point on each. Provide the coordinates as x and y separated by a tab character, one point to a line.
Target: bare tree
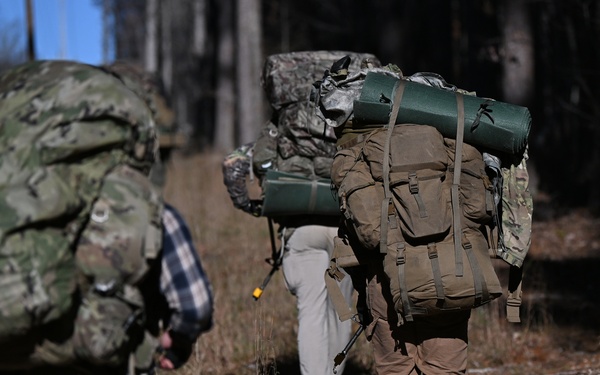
225	88
248	68
107	28
199	45
518	57
166	44
30	41
12	45
151	50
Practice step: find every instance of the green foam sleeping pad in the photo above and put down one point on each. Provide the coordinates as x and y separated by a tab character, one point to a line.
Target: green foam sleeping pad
291	194
490	124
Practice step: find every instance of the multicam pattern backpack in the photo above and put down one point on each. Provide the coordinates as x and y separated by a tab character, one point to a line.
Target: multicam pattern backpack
79	219
296	141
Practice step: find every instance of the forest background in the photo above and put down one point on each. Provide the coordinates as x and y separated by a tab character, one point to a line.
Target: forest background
542	54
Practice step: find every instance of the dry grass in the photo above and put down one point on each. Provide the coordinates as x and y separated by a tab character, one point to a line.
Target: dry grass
259	337
232	246
248	337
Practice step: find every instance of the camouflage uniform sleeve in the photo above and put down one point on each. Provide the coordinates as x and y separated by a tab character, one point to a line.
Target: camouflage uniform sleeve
236	167
517	211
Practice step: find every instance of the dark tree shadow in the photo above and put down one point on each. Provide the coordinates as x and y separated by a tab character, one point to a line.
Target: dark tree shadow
290	365
562	298
564	293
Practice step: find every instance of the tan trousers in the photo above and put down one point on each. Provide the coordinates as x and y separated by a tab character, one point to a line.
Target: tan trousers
429	345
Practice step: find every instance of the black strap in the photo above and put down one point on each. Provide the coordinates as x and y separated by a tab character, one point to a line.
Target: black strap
401	263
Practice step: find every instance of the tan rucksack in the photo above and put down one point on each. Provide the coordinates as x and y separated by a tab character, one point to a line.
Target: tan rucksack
425	202
414	228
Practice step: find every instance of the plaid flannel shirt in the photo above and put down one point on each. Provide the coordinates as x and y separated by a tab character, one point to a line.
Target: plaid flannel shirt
183	282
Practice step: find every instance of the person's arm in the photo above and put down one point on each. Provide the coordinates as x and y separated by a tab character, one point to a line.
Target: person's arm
186	288
236	167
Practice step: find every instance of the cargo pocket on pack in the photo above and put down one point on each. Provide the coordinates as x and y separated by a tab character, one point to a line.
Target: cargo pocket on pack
423	204
430	282
360	196
476	192
418	164
476	197
343	253
108	327
343	162
124	231
265	149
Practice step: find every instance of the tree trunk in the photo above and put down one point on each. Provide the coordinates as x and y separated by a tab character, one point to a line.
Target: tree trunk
225	106
200	28
151	50
167	45
518	57
106	27
248	69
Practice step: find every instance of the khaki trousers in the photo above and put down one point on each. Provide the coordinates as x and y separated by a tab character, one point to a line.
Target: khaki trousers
429	345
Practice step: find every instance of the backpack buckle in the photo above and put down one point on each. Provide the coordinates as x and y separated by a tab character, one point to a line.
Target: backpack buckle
432	251
400	258
413	183
343	205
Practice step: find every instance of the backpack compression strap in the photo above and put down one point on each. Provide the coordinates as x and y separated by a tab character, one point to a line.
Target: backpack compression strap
387	213
460	241
387	201
460	131
513	301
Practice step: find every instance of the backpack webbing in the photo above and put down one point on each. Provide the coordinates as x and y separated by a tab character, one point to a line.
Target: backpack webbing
387	202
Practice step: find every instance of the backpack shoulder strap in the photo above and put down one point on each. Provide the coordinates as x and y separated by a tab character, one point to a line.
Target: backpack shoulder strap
460	129
387	201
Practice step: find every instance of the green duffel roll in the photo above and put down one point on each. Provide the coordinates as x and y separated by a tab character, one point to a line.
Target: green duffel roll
490	124
291	194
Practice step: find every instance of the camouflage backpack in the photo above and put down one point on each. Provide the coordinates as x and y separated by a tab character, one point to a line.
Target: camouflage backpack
422	204
149	87
294	151
80	219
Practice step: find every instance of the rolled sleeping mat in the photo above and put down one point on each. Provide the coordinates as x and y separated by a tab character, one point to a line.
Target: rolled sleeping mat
287	194
489	124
